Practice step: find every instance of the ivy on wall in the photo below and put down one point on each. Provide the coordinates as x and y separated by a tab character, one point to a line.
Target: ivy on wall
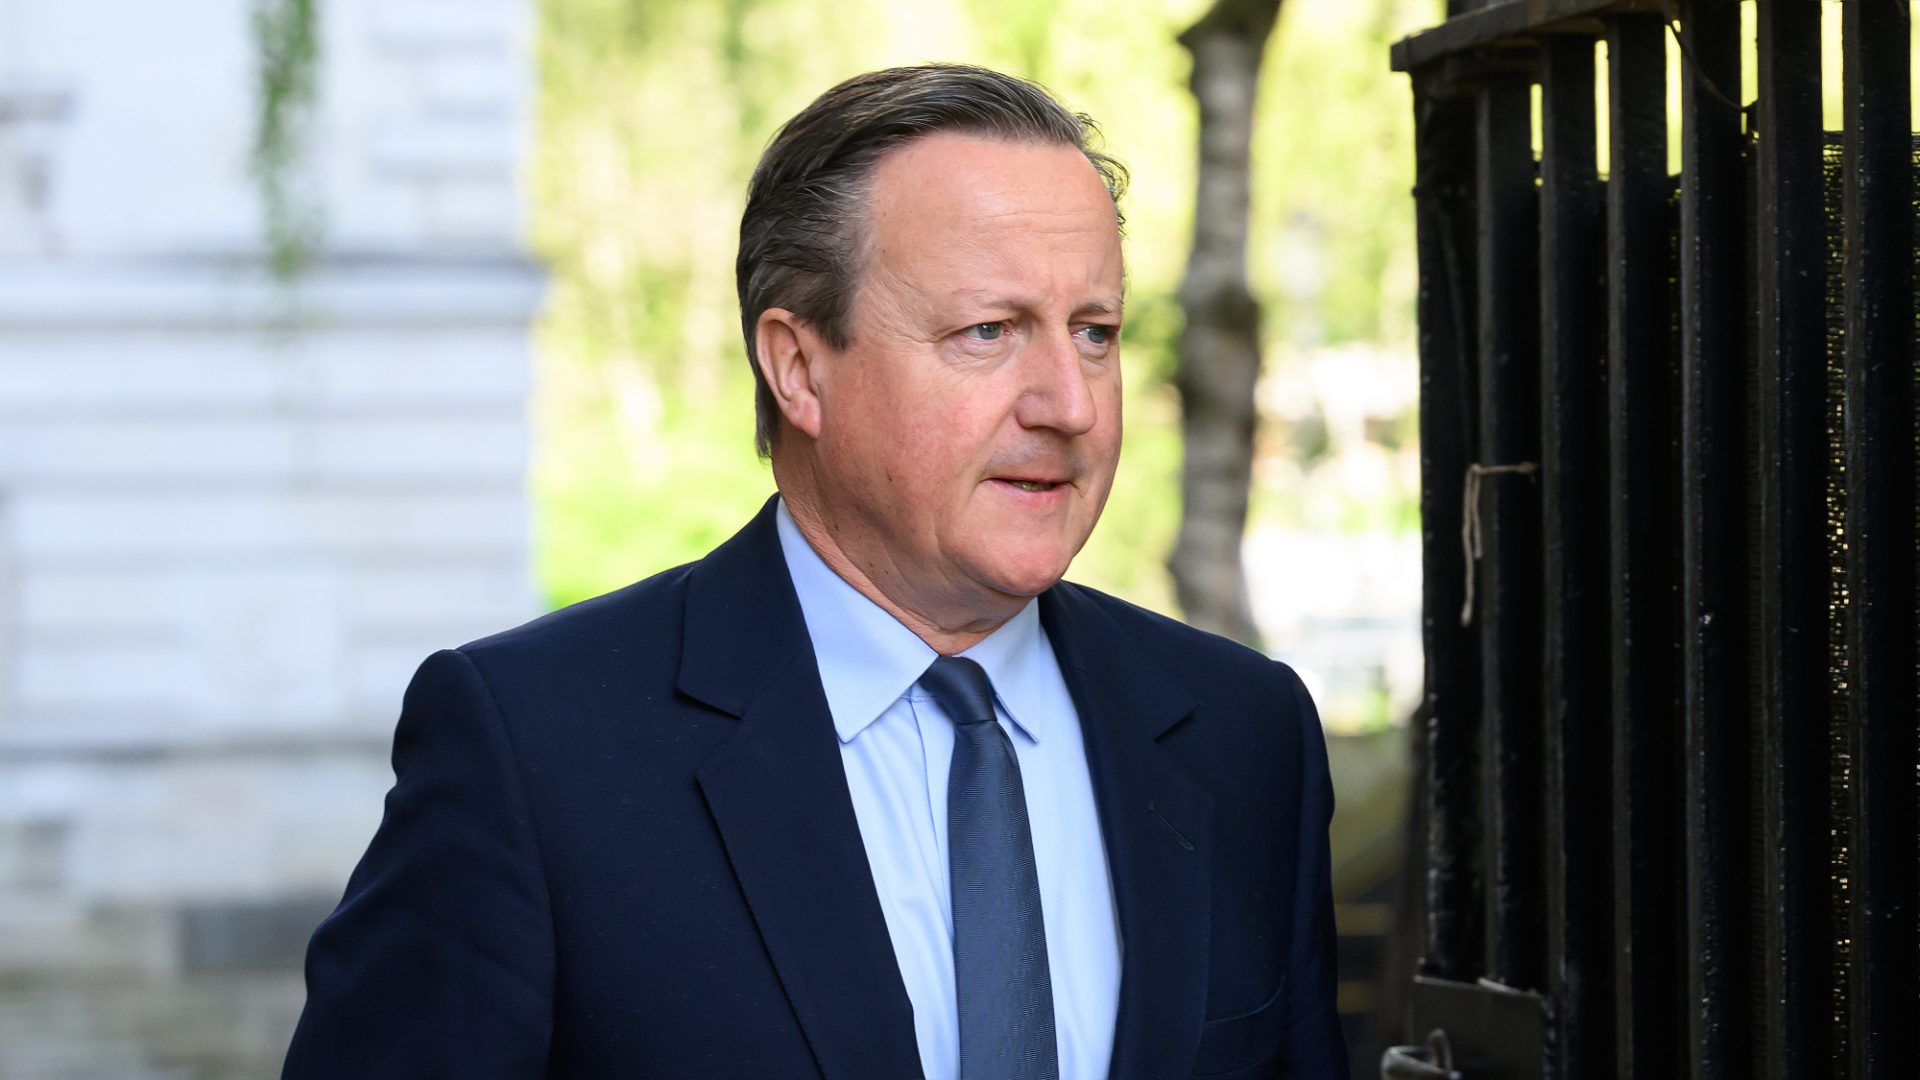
287	48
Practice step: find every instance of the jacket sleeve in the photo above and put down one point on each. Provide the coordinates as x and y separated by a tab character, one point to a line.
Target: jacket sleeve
439	960
1316	1048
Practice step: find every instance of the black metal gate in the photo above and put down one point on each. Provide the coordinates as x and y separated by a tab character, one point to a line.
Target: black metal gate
1668	443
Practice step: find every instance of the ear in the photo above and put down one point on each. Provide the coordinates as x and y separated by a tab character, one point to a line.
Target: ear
790	352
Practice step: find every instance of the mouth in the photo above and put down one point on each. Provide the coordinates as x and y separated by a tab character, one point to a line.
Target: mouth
1032	485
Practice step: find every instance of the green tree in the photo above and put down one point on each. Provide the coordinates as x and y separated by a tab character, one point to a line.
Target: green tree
651	115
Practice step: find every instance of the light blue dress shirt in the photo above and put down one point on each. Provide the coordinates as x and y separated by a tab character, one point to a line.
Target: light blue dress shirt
896	744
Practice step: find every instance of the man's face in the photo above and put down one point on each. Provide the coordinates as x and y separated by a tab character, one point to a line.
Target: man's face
969	432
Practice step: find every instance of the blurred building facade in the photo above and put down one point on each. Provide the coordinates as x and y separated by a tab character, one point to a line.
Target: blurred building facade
235	513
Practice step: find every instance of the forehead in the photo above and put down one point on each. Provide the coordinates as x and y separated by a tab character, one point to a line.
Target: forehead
953	205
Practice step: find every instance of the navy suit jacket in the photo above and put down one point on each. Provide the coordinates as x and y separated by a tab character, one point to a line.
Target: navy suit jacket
620	845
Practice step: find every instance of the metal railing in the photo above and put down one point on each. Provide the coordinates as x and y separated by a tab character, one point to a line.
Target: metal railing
1668	448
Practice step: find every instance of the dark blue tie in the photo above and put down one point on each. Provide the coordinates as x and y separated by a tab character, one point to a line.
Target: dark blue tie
999	938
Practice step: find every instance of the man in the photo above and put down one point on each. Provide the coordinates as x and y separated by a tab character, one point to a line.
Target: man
866	792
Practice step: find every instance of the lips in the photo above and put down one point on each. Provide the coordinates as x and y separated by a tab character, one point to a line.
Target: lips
1032	482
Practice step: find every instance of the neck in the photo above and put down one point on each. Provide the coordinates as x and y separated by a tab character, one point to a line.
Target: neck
946	630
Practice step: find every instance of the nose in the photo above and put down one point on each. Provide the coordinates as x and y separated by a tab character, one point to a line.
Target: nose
1058	394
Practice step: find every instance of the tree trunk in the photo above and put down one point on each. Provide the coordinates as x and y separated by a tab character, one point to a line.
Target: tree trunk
1219	349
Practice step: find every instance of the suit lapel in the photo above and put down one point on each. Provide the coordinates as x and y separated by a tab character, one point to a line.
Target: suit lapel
1158	828
778	794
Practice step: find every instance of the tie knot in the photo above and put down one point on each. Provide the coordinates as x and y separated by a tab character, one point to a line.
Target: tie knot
962	688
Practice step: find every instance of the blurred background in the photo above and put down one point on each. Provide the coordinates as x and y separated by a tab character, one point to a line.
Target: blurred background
334	332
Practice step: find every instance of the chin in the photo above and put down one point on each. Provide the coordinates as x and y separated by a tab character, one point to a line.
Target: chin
1031	574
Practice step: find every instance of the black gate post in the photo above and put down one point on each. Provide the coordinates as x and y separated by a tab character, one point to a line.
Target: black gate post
1455	932
1508	513
1790	270
1650	972
1573	491
1713	471
1881	614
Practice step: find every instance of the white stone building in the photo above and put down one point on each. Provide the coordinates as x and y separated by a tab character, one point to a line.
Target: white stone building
234	515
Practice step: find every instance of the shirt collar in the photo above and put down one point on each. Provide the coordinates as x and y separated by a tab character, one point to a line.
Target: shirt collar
868	659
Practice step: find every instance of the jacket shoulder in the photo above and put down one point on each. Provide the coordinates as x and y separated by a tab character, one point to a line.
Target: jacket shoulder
642	617
1203	661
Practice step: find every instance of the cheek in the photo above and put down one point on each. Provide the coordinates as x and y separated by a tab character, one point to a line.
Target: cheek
865	421
1106	435
912	452
947	429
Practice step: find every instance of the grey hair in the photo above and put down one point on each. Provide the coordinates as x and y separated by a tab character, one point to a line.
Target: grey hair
803	234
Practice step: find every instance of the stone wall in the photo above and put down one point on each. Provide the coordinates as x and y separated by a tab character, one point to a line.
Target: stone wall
234	515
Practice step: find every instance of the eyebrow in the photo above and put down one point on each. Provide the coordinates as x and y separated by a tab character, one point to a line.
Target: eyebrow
1085	307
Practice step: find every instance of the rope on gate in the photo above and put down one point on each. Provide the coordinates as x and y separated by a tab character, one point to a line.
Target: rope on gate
1470	528
1690	63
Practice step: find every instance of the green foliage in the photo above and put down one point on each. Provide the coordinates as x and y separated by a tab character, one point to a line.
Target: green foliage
651	115
287	50
1333	150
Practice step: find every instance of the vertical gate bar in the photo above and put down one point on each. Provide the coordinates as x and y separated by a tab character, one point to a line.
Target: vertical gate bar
1573	487
1880	541
1643	388
1443	201
1714	472
1791	270
1508	597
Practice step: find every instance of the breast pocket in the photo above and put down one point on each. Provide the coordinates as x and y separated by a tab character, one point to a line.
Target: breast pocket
1239	1042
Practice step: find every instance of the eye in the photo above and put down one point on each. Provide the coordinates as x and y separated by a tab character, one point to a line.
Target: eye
1101	335
986	331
